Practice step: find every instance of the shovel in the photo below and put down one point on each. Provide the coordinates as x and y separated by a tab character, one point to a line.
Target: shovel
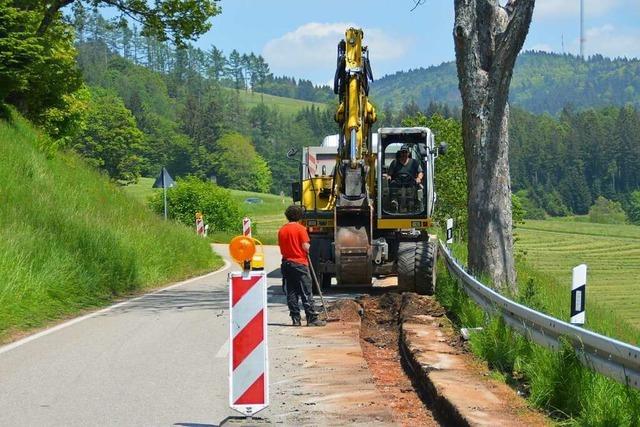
315	281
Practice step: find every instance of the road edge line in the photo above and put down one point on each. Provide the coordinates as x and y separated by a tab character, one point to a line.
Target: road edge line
11	346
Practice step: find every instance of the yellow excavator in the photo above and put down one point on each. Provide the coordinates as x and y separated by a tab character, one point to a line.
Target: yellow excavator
368	197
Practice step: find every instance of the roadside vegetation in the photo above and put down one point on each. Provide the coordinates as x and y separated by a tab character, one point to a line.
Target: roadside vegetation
266	211
554	382
70	240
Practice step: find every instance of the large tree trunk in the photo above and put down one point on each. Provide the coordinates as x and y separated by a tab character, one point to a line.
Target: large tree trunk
488	38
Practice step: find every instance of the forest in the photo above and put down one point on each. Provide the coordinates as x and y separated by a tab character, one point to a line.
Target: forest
132	102
538	77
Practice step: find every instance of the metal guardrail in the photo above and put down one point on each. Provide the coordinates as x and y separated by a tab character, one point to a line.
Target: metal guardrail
615	359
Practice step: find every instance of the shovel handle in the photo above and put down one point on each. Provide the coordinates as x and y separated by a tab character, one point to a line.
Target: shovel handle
315	280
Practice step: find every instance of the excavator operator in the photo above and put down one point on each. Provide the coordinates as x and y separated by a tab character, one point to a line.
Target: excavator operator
404	168
405	180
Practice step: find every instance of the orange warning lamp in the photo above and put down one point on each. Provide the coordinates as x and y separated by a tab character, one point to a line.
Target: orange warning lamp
242	250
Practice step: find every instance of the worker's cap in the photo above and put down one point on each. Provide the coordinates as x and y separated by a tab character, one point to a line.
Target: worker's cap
405	147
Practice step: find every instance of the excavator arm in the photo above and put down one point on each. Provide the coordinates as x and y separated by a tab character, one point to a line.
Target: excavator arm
354	184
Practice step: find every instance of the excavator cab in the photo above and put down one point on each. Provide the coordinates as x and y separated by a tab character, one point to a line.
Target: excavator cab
402	184
406	162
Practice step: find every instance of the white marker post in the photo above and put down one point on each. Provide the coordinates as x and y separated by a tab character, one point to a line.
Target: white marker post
449	231
578	294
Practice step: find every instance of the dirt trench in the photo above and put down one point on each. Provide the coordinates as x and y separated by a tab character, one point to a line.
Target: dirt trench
380	342
422	368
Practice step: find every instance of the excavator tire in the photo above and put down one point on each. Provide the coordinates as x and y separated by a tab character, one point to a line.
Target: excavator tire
416	267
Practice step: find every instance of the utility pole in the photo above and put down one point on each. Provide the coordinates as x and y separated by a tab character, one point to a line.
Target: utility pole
582	29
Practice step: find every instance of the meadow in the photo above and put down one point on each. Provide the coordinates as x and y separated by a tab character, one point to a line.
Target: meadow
287	106
611	252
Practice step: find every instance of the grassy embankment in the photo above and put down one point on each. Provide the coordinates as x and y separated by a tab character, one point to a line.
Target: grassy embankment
267	217
557	382
71	240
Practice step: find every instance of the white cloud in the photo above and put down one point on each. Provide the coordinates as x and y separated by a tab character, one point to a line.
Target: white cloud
312	47
559	9
612	41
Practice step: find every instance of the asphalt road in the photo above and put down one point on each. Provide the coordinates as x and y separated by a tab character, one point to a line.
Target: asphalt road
157	360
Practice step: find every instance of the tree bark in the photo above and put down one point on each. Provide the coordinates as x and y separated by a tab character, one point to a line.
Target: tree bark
487	39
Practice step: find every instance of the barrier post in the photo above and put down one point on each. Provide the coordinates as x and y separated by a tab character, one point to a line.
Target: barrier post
246	227
199	224
578	294
248	358
449	231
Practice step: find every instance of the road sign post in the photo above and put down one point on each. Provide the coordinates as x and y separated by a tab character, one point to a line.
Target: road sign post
164	181
578	294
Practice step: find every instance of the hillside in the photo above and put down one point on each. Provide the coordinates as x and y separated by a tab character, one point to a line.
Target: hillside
286	106
537	80
70	240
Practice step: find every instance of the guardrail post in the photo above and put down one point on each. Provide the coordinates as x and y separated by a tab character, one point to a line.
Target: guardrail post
578	294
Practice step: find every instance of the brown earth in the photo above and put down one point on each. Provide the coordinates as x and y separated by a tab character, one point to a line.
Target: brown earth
379	338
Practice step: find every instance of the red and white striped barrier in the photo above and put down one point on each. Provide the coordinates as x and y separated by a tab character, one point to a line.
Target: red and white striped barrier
246	227
199	224
248	362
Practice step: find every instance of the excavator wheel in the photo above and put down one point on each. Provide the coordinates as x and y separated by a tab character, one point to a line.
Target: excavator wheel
416	267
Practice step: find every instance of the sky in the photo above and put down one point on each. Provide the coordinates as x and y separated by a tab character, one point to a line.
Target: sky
299	38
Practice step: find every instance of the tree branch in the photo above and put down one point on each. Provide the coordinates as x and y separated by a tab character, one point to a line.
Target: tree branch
50	14
464	33
416	4
509	43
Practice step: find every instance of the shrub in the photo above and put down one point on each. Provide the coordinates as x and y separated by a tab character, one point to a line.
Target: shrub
633	210
529	207
554	205
192	195
607	212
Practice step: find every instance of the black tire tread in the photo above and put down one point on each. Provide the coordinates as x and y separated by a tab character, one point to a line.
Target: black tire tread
425	262
406	266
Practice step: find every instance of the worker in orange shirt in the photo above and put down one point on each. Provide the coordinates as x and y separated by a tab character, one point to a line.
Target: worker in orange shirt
294	243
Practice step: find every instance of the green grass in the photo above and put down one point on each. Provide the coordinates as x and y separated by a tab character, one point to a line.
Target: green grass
612	255
287	106
71	240
141	190
267	216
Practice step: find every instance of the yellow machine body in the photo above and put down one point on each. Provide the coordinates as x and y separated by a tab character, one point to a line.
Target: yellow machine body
351	239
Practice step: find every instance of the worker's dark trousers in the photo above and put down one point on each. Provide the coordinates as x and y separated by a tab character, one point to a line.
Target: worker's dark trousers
298	287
